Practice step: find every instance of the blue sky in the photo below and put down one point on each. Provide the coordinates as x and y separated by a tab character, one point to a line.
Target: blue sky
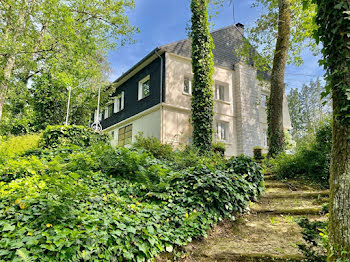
165	21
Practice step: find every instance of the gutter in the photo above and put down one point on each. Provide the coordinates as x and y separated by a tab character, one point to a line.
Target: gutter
161	94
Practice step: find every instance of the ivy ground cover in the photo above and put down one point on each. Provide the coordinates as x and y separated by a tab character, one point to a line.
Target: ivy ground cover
98	203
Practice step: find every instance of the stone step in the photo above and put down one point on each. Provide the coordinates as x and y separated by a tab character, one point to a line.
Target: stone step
270	177
297	194
290	211
276	184
245	257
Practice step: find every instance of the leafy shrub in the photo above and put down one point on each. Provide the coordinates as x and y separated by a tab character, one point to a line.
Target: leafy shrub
311	160
316	238
55	136
154	146
219	147
249	170
103	204
15	146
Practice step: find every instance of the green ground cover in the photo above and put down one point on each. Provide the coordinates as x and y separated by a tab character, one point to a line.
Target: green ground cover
63	200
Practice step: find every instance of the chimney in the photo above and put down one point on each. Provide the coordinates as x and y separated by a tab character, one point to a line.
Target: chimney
240	27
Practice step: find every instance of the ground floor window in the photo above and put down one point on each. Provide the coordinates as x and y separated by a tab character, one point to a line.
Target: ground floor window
125	135
222	131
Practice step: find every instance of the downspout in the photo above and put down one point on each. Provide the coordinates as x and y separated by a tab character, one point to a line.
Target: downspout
161	94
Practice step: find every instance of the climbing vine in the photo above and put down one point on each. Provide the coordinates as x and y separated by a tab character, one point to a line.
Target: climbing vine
333	18
203	69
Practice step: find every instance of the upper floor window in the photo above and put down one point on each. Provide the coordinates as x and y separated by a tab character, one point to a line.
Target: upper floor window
222	131
119	102
221	92
144	88
125	135
108	111
187	85
263	100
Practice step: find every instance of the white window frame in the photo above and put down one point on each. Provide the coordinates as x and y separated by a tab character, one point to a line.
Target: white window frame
225	90
190	80
141	92
119	102
265	143
265	100
105	115
222	131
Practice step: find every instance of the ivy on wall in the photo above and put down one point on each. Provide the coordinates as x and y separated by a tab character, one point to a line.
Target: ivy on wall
203	69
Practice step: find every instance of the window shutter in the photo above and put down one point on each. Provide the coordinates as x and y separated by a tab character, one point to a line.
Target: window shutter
122	101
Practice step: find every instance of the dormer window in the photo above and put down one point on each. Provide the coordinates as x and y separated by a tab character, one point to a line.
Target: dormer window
119	102
144	88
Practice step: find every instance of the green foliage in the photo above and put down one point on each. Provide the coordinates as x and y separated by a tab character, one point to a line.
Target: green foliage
66	42
249	170
219	147
154	146
16	146
311	160
203	69
316	238
263	34
98	203
307	108
54	136
336	60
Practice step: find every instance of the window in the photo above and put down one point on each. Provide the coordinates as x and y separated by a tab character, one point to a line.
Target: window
144	87
112	135
125	135
265	138
222	133
220	91
263	100
187	85
119	103
108	111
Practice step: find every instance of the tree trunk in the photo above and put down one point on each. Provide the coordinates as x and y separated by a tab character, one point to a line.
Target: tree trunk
5	82
17	29
339	210
275	106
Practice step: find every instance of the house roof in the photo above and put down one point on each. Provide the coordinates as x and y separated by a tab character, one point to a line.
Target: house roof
226	41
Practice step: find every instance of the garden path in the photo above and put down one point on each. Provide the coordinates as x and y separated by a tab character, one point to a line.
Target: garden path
268	232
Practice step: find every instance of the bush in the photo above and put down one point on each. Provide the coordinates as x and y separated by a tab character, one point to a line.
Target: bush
249	170
103	204
55	136
15	146
316	240
154	146
311	160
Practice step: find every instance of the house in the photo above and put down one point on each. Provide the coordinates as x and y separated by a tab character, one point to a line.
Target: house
154	97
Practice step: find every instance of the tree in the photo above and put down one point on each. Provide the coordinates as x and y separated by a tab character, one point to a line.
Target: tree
279	35
334	32
69	39
307	108
275	103
203	69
